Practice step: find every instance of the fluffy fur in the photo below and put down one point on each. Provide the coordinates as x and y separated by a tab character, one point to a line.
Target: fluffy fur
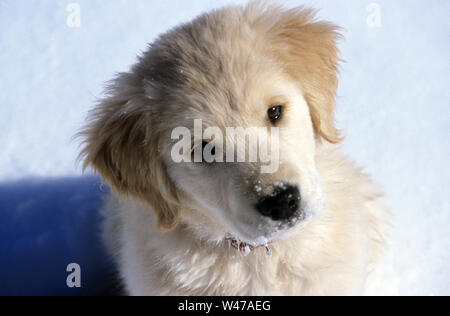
167	224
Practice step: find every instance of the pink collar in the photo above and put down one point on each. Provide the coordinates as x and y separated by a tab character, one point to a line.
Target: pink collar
246	248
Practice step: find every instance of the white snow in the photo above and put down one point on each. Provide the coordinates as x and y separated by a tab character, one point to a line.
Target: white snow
393	103
260	241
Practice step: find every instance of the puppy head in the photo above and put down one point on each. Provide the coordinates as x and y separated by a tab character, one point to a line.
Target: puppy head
228	68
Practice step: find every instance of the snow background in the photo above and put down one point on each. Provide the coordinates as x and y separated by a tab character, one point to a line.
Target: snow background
393	103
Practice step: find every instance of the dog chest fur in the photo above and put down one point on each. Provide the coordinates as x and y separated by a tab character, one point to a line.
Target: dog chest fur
331	256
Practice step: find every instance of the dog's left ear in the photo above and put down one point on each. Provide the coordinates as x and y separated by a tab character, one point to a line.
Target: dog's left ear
121	143
309	51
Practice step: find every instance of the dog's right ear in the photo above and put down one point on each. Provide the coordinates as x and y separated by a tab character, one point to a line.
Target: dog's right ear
121	144
308	49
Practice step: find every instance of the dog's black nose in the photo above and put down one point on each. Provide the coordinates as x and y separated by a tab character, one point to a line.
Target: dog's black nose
281	205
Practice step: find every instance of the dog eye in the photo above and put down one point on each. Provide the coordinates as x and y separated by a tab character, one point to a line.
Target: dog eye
203	145
213	150
275	113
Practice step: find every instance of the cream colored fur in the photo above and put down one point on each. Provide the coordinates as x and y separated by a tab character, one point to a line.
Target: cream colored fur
166	223
334	255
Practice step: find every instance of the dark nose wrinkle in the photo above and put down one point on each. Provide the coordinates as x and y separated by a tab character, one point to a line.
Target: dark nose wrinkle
282	205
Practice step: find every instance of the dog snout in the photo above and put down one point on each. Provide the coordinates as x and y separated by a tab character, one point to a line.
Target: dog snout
281	205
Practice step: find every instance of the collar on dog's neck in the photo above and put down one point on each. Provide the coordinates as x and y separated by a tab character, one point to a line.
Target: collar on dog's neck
246	248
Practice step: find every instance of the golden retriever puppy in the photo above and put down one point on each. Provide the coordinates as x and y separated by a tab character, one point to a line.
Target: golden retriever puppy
313	224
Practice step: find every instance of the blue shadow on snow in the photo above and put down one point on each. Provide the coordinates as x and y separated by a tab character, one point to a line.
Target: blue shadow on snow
46	224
